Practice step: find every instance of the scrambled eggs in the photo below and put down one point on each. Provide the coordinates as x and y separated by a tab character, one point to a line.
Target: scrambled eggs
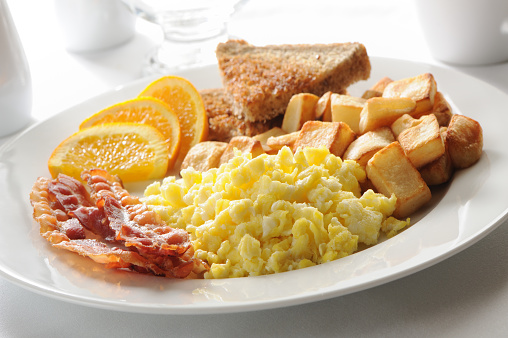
274	213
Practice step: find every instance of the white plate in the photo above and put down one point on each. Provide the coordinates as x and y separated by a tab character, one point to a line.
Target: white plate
460	214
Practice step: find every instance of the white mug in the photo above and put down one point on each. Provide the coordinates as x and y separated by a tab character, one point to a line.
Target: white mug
465	32
89	25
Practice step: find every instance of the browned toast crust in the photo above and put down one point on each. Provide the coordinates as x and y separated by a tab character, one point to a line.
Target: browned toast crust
261	80
223	124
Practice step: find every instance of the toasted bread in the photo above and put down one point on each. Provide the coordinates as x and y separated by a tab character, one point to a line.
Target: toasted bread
262	80
223	125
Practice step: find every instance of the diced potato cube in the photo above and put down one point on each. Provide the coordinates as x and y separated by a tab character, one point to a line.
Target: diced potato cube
263	137
382	112
299	110
464	139
423	143
441	170
441	109
335	136
380	86
402	123
366	184
369	93
377	89
366	145
204	155
438	172
347	109
391	172
277	142
243	143
322	109
421	89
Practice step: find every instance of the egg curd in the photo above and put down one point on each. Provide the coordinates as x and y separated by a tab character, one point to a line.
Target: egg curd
274	213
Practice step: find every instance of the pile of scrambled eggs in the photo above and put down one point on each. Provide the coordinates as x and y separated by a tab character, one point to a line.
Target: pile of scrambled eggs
274	213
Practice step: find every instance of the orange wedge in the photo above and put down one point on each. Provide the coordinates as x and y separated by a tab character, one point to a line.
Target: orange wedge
186	102
147	110
133	151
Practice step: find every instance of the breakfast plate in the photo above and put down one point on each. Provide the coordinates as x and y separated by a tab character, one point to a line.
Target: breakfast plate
460	213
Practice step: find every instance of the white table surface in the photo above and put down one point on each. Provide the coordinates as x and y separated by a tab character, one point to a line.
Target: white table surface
466	295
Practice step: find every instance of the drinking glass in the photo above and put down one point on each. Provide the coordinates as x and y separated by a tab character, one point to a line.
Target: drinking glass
191	29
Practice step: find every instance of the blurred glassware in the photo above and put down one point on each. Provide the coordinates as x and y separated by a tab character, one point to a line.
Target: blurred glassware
191	29
15	80
90	25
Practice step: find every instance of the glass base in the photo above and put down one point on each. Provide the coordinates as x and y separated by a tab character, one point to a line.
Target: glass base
179	55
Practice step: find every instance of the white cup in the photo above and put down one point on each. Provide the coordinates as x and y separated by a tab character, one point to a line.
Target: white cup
90	25
465	32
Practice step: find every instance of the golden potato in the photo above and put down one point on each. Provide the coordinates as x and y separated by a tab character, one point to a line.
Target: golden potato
335	136
369	93
380	86
382	112
204	155
422	143
243	143
322	109
377	89
441	109
299	110
366	145
402	123
345	108
391	172
277	142
421	89
438	172
464	139
263	137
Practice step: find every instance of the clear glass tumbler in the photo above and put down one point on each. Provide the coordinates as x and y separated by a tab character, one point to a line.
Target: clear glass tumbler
192	29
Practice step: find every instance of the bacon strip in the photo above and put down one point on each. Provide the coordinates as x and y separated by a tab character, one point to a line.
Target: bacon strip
93	219
151	237
69	193
114	258
110	226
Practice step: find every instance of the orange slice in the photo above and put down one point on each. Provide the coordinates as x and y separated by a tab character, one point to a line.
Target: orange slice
146	110
133	151
186	102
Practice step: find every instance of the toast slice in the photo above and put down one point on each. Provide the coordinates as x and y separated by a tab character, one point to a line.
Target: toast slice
223	124
262	80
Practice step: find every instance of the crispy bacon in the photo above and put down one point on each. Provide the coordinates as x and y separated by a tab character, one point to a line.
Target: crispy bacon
93	219
73	229
111	256
69	193
151	237
110	226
